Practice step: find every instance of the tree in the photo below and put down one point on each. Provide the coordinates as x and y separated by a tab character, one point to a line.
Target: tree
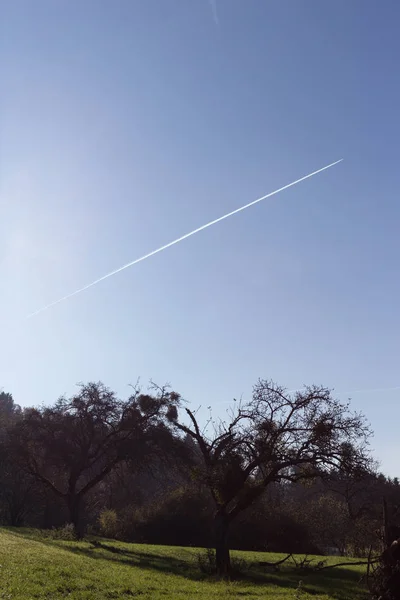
15	488
274	437
9	413
71	447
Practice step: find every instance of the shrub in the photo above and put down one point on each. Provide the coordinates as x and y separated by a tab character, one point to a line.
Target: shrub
108	521
182	518
206	561
66	533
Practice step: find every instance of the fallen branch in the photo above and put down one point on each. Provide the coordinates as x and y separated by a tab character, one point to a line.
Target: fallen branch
308	564
358	563
351	564
275	564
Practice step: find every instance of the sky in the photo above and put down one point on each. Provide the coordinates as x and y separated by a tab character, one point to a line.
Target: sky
126	124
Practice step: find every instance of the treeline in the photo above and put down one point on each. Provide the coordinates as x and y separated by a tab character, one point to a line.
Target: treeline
288	473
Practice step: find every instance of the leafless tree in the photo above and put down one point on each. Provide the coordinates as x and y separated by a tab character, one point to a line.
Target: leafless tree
274	437
72	446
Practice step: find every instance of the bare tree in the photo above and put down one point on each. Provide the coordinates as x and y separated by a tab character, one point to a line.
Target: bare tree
274	437
73	445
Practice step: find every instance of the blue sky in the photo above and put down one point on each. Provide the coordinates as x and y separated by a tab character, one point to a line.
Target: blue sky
127	124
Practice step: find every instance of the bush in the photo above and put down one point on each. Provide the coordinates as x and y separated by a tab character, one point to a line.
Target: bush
263	527
66	533
206	561
182	518
108	521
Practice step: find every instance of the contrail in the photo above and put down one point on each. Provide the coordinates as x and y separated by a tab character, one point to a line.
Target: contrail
365	391
180	239
213	4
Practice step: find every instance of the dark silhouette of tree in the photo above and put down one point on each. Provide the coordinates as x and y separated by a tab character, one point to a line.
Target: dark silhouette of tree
9	413
16	488
275	437
74	445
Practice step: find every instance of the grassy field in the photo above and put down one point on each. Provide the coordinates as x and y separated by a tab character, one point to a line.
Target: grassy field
32	566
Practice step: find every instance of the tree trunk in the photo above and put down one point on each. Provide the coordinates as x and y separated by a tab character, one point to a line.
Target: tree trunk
385	524
74	508
222	555
16	516
46	513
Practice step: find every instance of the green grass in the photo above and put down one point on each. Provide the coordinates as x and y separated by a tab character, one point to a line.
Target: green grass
32	566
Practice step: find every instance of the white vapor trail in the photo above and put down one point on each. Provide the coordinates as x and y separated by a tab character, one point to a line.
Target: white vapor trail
213	4
180	239
370	390
365	391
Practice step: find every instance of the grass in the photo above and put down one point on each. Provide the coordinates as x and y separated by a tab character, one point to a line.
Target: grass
34	567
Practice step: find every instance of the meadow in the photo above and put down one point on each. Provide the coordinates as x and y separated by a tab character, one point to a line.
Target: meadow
34	566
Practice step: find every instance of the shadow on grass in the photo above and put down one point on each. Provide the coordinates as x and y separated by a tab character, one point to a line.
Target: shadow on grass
341	583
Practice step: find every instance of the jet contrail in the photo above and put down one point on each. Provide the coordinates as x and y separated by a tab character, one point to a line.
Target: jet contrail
213	4
365	391
370	390
180	239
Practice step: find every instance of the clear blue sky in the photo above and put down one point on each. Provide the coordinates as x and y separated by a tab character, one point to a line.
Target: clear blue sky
126	124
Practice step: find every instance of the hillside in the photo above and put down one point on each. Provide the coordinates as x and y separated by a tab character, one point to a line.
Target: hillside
32	566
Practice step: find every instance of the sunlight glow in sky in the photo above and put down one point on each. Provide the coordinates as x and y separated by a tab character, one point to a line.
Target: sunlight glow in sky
125	125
